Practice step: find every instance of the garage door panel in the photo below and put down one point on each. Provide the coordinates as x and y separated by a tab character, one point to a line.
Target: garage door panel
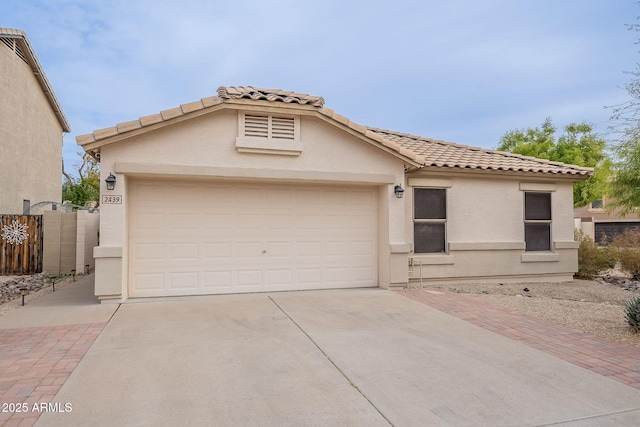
249	278
280	277
148	282
217	250
217	279
183	280
149	251
226	237
148	221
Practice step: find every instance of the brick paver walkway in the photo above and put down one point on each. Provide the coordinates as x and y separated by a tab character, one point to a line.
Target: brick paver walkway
613	360
35	363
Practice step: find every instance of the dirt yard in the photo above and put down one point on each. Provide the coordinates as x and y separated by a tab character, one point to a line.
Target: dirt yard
592	306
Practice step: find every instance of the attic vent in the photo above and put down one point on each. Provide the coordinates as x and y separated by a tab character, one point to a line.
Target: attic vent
267	134
282	128
269	127
256	126
11	44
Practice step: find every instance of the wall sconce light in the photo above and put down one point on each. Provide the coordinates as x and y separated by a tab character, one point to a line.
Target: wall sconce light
23	292
111	181
399	191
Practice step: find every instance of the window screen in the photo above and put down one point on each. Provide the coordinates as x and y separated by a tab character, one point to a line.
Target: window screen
429	203
537	221
537	206
430	215
428	237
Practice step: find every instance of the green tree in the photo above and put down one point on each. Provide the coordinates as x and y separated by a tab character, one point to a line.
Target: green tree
625	183
85	188
578	145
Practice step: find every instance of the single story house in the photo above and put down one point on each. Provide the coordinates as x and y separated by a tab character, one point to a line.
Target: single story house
267	190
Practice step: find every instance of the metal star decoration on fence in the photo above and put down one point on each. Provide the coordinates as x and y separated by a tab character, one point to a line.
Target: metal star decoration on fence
15	233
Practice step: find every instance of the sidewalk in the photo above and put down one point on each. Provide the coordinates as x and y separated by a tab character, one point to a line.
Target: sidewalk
41	343
613	360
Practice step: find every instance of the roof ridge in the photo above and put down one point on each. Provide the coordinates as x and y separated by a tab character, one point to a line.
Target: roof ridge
486	150
274	95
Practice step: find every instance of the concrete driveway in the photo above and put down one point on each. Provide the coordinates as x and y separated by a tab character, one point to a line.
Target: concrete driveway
345	357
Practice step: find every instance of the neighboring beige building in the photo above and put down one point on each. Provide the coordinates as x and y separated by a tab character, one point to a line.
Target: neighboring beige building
267	190
601	224
31	128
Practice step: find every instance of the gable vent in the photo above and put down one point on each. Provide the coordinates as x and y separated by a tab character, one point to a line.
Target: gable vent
11	44
269	127
256	126
283	128
267	134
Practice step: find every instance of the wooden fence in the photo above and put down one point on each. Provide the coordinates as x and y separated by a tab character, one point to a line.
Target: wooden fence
20	244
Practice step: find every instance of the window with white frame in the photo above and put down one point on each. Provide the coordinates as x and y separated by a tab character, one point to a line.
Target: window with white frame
537	221
429	220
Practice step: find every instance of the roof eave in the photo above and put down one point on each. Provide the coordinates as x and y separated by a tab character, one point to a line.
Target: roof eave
38	72
494	172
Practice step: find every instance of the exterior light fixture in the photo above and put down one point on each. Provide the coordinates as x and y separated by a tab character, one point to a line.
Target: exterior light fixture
23	292
399	191
111	181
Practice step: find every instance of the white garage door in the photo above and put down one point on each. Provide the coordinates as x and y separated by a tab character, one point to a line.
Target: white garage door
188	238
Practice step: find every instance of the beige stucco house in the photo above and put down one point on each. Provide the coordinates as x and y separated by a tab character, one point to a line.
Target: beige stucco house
267	190
31	128
602	224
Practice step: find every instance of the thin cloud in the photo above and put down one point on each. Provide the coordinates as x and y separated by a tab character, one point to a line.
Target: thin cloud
460	70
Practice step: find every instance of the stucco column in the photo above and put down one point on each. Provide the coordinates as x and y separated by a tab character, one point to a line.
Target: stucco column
110	277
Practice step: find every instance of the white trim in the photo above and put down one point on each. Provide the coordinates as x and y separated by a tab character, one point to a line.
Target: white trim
429	182
540	257
566	245
240	174
107	252
486	246
536	186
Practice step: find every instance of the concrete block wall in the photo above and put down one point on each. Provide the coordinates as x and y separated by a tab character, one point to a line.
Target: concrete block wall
69	238
88	225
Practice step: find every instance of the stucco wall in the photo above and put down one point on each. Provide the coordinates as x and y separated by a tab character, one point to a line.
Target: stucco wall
69	238
485	230
31	135
205	148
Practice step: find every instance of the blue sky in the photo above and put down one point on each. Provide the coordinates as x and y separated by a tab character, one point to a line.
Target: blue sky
458	70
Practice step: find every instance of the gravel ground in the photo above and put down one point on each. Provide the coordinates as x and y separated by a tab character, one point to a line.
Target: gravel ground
9	303
592	306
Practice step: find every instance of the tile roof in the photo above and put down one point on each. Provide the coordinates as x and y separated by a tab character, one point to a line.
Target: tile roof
275	95
450	155
421	151
24	51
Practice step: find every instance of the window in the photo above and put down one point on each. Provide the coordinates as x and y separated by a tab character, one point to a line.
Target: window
597	204
267	134
429	220
537	221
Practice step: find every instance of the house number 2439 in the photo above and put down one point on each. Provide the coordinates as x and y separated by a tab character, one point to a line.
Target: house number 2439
111	199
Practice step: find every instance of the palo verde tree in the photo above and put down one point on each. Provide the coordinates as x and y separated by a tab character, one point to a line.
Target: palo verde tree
625	182
578	145
85	188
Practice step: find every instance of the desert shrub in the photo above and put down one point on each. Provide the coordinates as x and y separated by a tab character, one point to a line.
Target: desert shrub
592	259
626	247
632	313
